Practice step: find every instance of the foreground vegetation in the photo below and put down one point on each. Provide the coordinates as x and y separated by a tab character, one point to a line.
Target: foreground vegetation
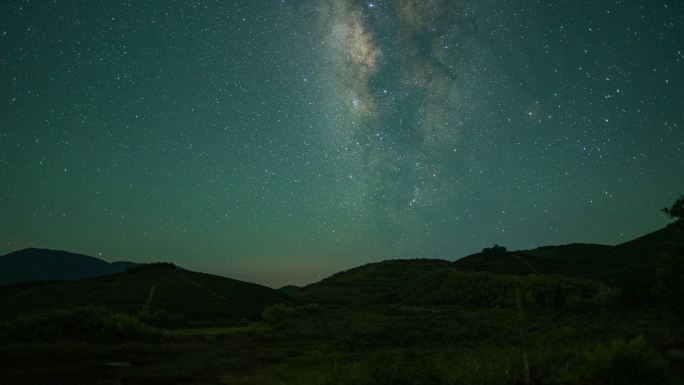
414	322
581	343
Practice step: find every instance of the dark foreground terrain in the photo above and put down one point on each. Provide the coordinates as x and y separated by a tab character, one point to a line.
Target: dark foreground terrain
616	321
387	344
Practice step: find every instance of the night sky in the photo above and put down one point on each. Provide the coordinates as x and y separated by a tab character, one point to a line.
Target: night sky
281	141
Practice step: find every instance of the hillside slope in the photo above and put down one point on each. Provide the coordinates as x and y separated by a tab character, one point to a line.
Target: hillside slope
200	297
391	281
643	255
511	263
574	256
370	283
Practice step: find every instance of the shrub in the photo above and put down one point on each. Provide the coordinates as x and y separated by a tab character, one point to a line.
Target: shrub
276	314
482	289
163	319
624	362
74	322
123	327
151	266
310	308
85	323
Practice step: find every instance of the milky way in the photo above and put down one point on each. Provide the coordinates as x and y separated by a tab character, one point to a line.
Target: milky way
281	141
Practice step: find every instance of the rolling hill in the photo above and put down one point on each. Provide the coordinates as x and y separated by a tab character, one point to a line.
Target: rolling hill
515	263
202	298
575	256
640	256
48	265
643	255
370	283
208	298
393	280
291	290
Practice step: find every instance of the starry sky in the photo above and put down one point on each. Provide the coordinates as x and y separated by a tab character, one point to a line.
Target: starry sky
281	141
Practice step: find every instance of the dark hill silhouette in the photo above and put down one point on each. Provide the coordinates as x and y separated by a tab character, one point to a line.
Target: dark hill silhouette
389	281
638	256
607	263
48	265
439	282
506	263
202	298
575	256
291	290
370	283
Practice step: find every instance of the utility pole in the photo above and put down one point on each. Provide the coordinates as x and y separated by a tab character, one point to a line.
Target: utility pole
523	332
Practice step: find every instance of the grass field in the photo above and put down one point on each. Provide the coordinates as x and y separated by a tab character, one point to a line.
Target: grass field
389	344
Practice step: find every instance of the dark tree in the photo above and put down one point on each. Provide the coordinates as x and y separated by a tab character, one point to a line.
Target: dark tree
150	266
496	249
677	209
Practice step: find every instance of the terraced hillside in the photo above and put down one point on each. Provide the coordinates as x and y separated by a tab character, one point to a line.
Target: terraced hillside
200	297
574	256
370	283
516	263
388	281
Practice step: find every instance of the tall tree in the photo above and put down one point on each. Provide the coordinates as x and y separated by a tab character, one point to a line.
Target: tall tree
677	209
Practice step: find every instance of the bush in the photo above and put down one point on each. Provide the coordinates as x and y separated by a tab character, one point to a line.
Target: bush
85	323
625	362
311	308
163	319
74	322
124	327
605	296
482	289
276	314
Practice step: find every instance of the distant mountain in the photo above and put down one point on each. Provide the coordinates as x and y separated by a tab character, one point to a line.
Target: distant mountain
47	265
290	290
202	298
370	283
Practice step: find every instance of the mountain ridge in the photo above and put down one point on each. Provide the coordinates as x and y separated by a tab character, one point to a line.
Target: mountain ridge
36	264
380	282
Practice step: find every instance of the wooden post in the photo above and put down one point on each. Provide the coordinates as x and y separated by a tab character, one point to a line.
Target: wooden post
523	332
